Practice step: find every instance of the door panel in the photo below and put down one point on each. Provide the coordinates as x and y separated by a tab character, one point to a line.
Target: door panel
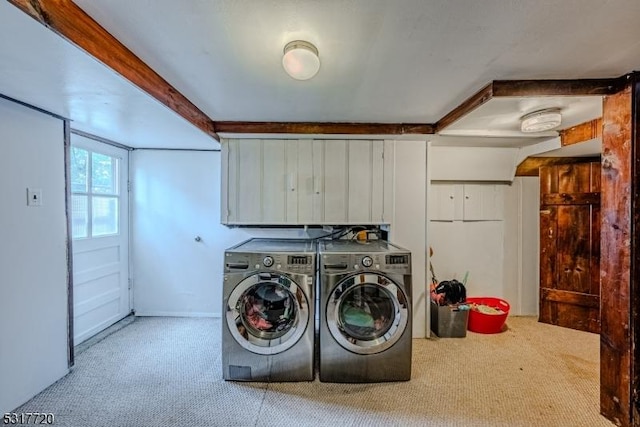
101	236
570	246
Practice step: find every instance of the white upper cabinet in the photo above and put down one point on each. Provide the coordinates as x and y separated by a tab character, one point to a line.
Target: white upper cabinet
305	182
466	202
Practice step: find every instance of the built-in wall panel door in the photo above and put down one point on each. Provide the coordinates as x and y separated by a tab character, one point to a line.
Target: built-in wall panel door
570	246
100	231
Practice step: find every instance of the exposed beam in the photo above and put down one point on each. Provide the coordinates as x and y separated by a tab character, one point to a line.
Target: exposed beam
72	23
524	88
325	128
580	87
619	271
467	106
583	132
531	165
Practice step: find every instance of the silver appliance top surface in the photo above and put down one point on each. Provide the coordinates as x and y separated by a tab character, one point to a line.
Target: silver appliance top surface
359	247
261	245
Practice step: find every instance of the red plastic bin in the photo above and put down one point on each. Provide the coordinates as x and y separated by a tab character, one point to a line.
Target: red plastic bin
487	323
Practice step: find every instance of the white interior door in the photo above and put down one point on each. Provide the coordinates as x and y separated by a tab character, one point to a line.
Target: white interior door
100	230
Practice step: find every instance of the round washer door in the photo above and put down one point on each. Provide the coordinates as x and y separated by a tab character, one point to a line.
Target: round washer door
267	313
367	313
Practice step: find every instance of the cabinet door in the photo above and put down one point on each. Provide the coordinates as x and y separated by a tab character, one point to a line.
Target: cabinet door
360	181
482	202
249	178
318	181
273	182
305	182
377	182
335	181
442	201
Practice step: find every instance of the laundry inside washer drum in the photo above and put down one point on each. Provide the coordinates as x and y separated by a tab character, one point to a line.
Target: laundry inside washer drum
268	308
367	313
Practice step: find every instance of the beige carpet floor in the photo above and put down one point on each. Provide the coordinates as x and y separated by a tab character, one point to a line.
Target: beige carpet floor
167	372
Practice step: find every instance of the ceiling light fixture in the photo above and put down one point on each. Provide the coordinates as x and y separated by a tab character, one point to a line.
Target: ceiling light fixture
541	120
301	60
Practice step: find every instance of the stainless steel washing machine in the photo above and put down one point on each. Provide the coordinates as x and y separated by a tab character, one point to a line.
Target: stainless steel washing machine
268	310
365	312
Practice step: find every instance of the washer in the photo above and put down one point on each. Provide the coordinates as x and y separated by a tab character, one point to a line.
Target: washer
365	312
268	305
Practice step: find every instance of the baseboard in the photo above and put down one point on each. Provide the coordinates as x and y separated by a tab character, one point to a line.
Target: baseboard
175	314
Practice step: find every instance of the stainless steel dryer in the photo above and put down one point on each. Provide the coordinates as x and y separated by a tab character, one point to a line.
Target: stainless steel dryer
268	310
365	312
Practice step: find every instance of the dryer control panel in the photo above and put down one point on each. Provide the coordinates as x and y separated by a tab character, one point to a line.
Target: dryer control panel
295	263
342	262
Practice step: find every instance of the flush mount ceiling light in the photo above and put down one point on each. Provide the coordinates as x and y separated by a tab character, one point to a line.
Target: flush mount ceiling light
541	120
301	60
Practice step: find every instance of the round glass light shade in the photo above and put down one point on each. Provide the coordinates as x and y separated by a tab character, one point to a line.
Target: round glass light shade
539	121
301	60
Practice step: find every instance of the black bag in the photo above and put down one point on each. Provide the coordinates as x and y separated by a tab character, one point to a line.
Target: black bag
454	292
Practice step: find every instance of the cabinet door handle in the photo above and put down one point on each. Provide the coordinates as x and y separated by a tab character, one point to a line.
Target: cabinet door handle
292	181
316	185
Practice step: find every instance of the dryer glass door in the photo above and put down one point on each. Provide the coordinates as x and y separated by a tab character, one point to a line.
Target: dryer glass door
367	313
267	313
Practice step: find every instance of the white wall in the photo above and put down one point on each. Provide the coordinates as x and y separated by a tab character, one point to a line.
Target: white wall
408	225
33	265
176	197
522	253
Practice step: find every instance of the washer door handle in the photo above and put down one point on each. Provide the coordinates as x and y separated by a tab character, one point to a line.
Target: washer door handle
238	265
340	266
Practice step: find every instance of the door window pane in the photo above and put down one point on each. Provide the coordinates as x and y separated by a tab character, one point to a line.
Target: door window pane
79	217
367	312
95	189
104	176
79	172
104	216
268	310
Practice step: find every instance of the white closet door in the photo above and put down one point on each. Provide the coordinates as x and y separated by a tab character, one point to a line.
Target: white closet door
100	230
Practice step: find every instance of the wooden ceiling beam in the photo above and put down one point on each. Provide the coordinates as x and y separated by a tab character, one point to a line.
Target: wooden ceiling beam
583	132
531	165
579	87
525	88
337	128
69	21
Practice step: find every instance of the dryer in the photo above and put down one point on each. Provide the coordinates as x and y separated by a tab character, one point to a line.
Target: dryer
365	312
268	310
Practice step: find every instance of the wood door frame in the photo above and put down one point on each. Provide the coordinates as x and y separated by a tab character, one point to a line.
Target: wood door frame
619	267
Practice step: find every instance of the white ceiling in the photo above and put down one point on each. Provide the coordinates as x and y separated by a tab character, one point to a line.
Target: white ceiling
401	61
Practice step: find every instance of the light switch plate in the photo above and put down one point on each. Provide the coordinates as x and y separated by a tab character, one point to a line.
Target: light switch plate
34	197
